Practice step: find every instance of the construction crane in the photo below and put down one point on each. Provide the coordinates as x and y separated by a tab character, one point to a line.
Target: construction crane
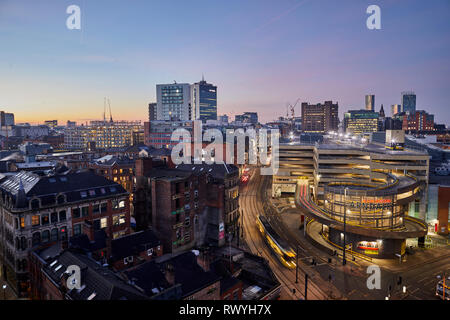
292	109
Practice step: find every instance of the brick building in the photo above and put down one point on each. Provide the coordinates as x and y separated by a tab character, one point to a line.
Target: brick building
170	201
40	210
320	118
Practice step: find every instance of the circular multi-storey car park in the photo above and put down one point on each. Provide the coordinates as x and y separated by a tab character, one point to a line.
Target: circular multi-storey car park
366	187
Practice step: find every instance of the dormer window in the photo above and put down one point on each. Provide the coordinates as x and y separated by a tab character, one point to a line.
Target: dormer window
35	204
61	199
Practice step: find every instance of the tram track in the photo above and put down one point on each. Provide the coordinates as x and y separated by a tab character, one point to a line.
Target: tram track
252	199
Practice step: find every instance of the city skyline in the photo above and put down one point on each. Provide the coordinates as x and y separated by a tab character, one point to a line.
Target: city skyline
260	55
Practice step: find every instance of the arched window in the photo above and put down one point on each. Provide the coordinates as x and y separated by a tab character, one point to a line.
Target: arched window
54	235
45	236
36	239
17	241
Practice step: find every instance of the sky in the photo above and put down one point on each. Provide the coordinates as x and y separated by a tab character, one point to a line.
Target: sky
260	54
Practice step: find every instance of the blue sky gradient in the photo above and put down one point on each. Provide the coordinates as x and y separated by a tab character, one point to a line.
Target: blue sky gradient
260	54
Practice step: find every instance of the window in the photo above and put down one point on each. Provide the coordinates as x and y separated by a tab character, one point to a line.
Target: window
84	211
83	194
92	193
150	252
54	235
187	236
103	207
103	223
75	212
128	260
45	236
119	219
102	190
35	220
60	199
35	204
22	222
97	224
23	243
45	219
77	229
96	209
122	204
54	217
62	215
115	204
36	239
187	221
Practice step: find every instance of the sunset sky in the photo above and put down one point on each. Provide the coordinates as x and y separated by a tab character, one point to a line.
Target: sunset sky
260	54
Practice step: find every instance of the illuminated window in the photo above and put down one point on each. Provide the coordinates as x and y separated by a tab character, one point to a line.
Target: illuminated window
45	219
35	220
103	223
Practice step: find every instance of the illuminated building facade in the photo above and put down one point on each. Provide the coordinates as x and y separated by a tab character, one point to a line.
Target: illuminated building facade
361	121
372	187
103	134
204	101
320	118
418	121
173	102
38	211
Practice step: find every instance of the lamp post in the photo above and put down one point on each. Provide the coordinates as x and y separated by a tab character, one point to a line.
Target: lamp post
4	291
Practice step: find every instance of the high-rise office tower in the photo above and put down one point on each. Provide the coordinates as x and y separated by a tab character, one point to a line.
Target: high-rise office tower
396	108
370	102
320	118
409	102
173	102
152	115
204	101
6	119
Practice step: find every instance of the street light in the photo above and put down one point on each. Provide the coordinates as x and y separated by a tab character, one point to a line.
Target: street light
4	291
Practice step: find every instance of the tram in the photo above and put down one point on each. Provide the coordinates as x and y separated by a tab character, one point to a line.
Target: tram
278	245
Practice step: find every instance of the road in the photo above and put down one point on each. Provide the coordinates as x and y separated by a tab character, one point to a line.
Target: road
349	282
251	203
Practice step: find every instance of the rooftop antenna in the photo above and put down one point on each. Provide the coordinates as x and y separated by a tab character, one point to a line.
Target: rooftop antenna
203	77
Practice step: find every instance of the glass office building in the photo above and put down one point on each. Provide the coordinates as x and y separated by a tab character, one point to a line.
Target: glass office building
409	102
204	101
361	121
